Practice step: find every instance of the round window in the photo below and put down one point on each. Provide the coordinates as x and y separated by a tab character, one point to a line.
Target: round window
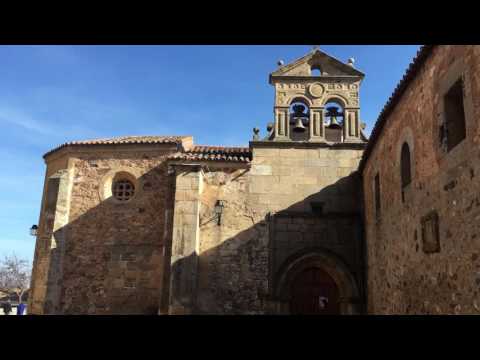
123	190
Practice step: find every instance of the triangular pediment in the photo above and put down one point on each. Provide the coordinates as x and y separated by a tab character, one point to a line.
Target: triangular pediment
328	65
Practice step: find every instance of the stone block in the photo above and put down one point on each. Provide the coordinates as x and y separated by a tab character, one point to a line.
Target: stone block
186	207
262	152
261	169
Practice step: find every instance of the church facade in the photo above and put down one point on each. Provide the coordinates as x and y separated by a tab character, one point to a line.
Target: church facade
311	218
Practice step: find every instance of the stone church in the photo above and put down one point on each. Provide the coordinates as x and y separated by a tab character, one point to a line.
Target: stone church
311	218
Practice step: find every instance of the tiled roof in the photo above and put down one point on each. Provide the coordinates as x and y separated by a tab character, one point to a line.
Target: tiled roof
215	153
416	64
124	140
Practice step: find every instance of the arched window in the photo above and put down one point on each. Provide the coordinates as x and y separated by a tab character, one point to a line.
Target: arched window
405	166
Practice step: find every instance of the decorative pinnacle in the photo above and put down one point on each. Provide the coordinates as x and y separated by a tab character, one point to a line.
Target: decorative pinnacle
280	62
256	131
351	61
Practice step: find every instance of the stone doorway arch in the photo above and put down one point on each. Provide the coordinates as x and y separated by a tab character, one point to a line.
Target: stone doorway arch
348	293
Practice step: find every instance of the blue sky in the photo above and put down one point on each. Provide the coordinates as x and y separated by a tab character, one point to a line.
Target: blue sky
53	94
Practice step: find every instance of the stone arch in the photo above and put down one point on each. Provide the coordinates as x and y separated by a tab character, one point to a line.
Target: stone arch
343	102
130	173
332	264
300	98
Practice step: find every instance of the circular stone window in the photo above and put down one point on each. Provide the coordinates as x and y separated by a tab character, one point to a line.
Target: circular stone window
123	189
120	185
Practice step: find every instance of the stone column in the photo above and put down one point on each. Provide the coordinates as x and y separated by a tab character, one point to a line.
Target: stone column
317	126
50	249
282	123
185	239
351	125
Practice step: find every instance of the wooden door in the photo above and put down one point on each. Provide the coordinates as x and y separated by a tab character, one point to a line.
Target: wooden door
314	292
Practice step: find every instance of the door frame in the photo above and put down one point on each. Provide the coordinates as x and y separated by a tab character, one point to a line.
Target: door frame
349	299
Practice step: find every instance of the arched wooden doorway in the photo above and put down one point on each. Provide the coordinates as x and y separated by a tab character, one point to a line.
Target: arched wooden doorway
307	277
314	292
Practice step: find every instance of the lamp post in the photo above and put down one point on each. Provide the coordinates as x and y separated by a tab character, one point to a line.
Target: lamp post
33	230
219	205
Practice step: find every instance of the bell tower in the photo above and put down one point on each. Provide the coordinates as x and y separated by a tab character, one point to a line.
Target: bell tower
316	100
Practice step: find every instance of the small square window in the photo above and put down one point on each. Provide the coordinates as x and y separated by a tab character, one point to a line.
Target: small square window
453	131
430	233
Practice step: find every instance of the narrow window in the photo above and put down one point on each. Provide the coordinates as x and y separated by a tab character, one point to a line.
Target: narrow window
430	233
454	115
377	196
405	168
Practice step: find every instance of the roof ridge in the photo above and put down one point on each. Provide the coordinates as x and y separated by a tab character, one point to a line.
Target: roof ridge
214	153
219	147
131	139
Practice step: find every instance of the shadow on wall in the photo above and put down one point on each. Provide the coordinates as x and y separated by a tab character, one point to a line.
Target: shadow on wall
114	258
253	271
110	259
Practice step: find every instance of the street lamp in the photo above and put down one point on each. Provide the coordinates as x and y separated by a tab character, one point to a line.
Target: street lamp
33	230
218	210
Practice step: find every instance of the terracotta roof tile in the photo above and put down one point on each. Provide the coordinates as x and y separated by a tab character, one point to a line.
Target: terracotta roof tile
215	153
123	140
416	64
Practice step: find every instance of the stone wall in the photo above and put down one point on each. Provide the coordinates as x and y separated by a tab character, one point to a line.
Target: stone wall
402	278
292	177
164	251
111	258
233	255
234	266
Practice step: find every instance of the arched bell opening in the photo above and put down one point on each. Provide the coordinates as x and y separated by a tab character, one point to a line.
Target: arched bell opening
315	70
334	116
299	114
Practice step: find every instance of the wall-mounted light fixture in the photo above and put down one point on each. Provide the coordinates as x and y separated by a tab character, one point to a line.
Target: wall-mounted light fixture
33	230
219	205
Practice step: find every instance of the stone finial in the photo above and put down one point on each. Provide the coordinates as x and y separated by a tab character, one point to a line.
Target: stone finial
351	62
280	62
270	127
256	132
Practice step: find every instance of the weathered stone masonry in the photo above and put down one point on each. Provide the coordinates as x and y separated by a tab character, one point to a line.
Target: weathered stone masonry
300	198
165	250
403	278
112	254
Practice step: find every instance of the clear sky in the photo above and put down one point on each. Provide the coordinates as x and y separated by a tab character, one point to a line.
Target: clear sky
53	94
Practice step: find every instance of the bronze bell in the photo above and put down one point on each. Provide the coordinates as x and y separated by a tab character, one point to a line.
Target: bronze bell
333	122
299	126
332	112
